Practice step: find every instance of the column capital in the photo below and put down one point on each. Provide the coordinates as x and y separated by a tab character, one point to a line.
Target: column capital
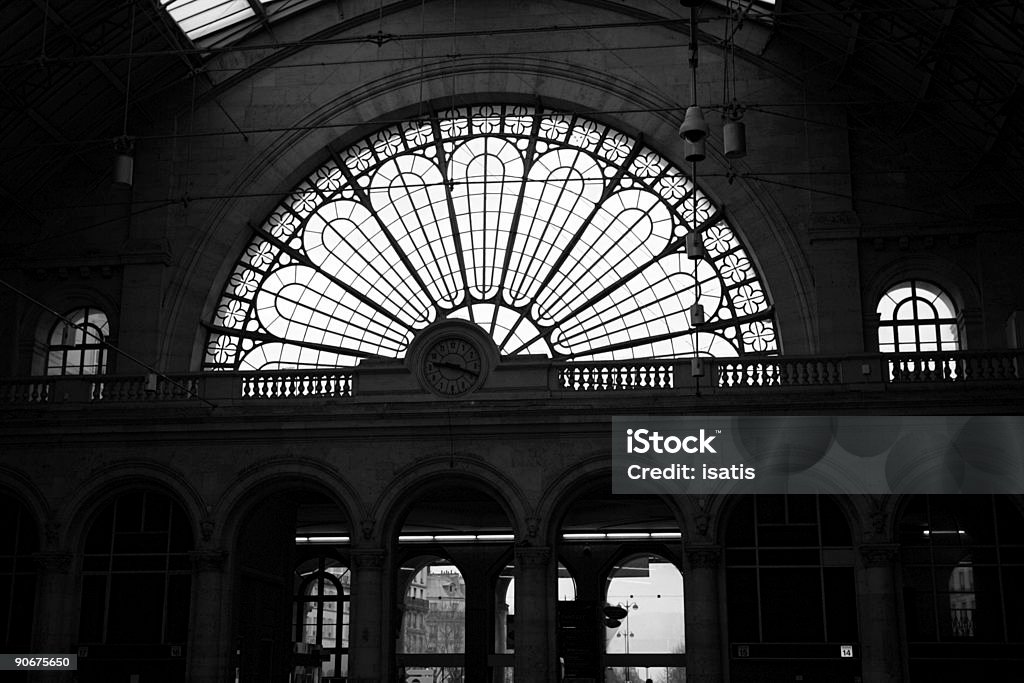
879	554
367	558
704	556
532	556
208	559
52	562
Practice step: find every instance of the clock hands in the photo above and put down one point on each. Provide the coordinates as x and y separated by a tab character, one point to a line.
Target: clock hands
455	366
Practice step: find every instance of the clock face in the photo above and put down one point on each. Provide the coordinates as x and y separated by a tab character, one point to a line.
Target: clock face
452	366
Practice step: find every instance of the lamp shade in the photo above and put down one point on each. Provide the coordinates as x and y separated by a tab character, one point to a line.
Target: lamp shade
694	151
697	314
694	127
734	139
695	246
124	168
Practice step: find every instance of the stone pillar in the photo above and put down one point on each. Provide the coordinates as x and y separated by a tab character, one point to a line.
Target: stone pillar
535	616
872	321
1015	330
704	654
209	646
881	657
835	263
366	636
56	608
971	323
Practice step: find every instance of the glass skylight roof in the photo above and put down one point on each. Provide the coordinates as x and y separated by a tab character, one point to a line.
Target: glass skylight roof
198	18
555	234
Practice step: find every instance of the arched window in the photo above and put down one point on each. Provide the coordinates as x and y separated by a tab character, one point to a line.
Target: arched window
917	316
76	346
321	623
18	541
136	588
555	234
963	579
790	588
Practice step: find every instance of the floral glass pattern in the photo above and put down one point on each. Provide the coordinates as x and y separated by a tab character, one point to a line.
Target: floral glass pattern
556	234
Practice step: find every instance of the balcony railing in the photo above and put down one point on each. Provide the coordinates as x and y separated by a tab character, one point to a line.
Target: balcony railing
513	377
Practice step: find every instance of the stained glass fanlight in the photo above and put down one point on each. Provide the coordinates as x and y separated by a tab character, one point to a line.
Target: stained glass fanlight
555	234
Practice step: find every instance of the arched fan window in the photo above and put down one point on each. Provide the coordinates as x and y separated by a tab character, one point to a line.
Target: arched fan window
555	234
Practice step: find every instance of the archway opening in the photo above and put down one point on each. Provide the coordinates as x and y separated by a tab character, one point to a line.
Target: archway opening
454	546
627	619
136	590
292	589
19	540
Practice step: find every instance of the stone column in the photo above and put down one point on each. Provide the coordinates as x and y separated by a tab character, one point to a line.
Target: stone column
881	657
56	612
971	322
535	616
368	606
704	654
835	262
209	646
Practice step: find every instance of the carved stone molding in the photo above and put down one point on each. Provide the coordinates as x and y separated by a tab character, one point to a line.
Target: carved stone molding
368	559
208	560
533	557
879	554
879	521
52	562
532	527
52	531
704	557
702	521
206	528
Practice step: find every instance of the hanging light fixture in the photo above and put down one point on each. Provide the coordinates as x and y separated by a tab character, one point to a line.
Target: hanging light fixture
695	246
694	127
124	161
694	130
734	131
734	139
694	151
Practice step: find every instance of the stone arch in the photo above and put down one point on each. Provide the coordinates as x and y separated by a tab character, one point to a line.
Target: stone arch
22	488
390	508
273	172
950	277
38	323
585	476
275	475
77	513
722	507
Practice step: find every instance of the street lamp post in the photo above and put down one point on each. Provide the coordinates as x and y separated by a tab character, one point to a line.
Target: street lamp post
629	606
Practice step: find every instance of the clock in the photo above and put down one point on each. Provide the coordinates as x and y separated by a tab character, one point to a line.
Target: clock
452	358
452	365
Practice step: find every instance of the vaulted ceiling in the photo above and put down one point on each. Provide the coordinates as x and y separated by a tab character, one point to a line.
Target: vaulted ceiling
933	88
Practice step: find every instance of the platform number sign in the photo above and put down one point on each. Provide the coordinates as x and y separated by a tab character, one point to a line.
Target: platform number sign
742	650
846	651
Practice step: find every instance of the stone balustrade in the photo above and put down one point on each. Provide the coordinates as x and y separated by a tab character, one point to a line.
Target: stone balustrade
721	376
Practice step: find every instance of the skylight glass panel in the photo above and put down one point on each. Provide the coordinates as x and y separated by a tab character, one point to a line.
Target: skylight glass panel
198	18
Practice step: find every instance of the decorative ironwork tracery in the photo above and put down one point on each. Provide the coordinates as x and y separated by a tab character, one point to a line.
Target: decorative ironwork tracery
556	234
